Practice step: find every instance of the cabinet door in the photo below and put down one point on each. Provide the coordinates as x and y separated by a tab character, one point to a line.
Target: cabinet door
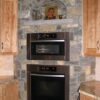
1	93
8	26
89	26
0	15
11	91
85	97
98	28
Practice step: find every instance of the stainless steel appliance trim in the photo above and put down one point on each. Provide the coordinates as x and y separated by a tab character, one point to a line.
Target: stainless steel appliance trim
48	41
46	75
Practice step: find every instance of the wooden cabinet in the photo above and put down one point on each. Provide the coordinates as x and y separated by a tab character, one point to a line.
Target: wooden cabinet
9	90
86	97
8	26
91	27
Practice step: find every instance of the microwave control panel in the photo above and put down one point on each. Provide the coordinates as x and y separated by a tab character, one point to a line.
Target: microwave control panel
43	36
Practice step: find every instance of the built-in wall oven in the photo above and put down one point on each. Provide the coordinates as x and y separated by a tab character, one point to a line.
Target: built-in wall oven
48	46
47	82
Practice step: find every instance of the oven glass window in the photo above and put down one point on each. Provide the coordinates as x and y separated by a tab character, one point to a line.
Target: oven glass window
47	88
47	48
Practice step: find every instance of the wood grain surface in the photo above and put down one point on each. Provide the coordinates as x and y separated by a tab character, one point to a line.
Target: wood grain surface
91	30
8	26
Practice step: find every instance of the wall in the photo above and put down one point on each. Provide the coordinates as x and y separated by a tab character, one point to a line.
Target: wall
6	65
97	69
81	68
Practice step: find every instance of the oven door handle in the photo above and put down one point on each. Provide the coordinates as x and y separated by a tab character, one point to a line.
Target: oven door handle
47	75
48	41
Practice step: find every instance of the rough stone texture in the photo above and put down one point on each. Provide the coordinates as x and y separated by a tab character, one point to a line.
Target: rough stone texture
81	68
74	11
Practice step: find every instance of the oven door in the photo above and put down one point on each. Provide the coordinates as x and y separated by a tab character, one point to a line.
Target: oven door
47	87
47	49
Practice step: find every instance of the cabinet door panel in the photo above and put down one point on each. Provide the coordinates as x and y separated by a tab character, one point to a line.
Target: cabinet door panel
9	90
15	25
1	93
8	26
89	26
0	21
98	28
82	97
11	87
85	97
91	23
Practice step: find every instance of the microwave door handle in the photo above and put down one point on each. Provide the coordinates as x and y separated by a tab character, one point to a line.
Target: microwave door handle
48	41
46	75
41	50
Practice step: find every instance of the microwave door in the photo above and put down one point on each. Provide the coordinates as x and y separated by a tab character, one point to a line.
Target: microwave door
47	49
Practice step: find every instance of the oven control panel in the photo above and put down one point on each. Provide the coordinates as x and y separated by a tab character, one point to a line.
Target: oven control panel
47	68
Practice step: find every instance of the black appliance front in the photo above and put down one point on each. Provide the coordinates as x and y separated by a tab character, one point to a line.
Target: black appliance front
48	82
48	46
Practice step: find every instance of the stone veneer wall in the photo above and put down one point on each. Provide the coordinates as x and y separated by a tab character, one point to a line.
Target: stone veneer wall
81	68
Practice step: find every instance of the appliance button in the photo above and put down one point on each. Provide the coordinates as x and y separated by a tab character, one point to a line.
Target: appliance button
53	68
47	68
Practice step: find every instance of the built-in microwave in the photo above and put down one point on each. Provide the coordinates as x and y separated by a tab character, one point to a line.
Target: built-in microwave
48	46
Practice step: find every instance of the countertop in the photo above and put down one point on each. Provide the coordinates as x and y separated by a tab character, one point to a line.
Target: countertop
6	79
92	88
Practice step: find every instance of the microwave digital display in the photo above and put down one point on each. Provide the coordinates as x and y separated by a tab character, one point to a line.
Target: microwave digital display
47	36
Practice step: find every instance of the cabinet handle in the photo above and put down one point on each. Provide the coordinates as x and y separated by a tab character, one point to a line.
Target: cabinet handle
2	45
98	45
